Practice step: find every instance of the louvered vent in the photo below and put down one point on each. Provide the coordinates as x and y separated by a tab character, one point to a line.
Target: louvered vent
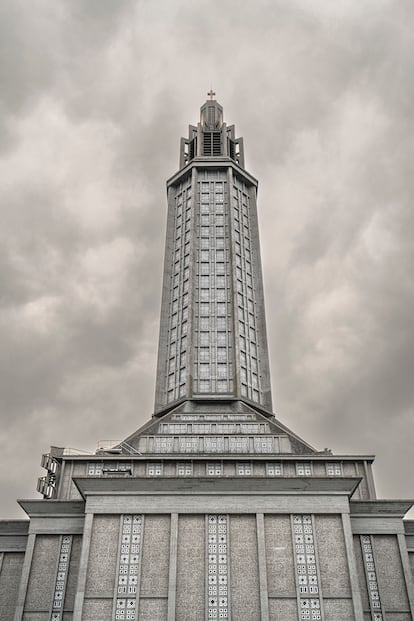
212	143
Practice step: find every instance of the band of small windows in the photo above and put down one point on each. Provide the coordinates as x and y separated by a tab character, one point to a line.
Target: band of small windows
212	469
307	580
371	576
129	565
61	578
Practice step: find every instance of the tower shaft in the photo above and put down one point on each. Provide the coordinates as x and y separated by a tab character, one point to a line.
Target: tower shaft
212	334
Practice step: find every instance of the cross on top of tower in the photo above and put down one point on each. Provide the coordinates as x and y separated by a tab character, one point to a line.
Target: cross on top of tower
211	94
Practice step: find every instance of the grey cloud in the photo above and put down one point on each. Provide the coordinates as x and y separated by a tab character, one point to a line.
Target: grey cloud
94	100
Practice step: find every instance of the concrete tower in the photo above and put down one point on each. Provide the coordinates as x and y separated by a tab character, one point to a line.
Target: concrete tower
213	332
213	509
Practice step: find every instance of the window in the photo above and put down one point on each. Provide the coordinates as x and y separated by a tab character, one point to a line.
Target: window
185	469
304	469
214	469
204	372
204	338
204	323
274	469
213	444
244	469
95	469
263	444
154	469
204	385
204	354
334	469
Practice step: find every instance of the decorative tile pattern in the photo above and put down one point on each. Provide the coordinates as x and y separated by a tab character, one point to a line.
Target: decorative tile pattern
61	578
218	600
371	576
129	568
306	568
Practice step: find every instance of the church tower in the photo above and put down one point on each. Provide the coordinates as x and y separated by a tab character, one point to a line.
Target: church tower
213	509
213	332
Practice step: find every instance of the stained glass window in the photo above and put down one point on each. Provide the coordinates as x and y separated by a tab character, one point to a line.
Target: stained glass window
129	560
371	576
61	578
307	580
217	596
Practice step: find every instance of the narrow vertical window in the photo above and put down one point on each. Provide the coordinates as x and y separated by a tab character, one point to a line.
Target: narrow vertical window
129	561
371	576
307	581
217	596
61	578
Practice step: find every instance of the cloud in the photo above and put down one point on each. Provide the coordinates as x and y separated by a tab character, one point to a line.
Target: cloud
95	98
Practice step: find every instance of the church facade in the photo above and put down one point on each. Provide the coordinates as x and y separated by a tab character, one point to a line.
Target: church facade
213	509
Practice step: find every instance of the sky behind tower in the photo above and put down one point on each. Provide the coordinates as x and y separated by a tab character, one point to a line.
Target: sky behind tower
94	97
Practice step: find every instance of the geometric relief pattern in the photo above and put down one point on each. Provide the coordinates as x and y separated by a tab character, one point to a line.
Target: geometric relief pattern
371	575
129	567
61	578
218	600
306	569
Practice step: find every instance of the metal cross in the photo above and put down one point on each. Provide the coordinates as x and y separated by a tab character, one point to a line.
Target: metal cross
211	94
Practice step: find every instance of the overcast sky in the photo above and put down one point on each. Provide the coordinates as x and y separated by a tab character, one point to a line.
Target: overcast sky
94	96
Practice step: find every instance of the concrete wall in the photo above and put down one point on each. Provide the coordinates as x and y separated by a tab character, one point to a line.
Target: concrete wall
11	564
244	570
155	568
261	570
191	574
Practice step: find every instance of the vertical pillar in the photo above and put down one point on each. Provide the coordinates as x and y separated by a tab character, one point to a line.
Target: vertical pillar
370	481
83	567
407	571
261	554
24	580
172	578
353	574
70	479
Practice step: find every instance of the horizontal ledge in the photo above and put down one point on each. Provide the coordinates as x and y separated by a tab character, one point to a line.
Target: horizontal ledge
389	508
55	508
270	457
18	528
234	486
217	162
